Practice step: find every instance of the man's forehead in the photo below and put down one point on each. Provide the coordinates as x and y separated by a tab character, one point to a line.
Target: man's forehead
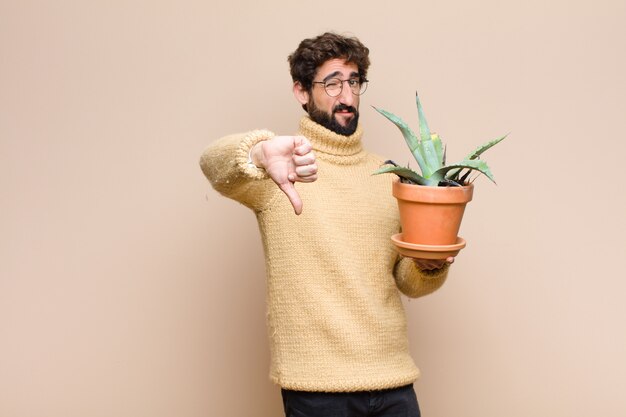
337	66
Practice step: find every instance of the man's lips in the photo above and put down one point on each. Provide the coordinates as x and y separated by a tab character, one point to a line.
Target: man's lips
344	115
344	110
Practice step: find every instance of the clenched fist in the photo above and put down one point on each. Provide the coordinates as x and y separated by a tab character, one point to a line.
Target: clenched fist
287	159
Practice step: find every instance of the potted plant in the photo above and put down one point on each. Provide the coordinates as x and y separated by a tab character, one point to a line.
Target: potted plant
432	203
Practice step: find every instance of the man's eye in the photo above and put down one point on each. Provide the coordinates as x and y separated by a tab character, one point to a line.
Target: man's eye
353	82
333	84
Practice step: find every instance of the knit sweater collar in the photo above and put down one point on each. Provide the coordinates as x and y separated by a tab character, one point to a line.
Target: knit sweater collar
348	149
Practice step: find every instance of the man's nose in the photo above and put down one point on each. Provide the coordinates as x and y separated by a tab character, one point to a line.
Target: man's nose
346	97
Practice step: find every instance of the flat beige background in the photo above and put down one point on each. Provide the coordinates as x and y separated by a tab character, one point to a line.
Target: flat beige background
129	288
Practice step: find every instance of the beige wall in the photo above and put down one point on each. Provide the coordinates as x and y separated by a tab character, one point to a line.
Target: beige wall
129	288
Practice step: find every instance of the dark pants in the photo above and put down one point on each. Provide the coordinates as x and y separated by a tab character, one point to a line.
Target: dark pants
396	402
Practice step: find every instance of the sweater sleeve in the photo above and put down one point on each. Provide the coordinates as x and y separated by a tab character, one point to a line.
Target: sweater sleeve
414	282
225	164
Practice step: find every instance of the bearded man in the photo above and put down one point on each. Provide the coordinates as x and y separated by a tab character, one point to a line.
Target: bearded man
337	327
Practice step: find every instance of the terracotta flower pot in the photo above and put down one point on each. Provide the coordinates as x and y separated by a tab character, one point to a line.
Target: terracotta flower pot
431	215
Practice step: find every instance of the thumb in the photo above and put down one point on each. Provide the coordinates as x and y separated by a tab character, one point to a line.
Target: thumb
292	195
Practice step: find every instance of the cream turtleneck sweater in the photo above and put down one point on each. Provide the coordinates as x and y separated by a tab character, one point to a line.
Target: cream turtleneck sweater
335	318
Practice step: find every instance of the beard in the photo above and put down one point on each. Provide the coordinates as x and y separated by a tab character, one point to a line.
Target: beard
330	122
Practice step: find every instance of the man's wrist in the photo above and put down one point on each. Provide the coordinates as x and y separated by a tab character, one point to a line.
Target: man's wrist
253	156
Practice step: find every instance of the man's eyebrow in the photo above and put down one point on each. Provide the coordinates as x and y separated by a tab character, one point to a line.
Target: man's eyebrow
337	73
332	75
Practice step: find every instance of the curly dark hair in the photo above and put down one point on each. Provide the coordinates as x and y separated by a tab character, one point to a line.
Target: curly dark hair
313	52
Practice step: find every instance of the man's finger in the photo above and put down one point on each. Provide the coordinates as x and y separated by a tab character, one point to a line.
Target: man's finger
292	195
302	145
306	170
306	159
429	264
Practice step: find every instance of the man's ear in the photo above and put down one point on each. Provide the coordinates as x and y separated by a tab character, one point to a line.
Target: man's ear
301	94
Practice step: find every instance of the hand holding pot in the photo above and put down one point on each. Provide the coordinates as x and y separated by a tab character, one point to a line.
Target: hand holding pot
430	264
287	159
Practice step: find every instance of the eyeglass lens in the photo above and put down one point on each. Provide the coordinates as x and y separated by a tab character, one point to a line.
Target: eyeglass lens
334	86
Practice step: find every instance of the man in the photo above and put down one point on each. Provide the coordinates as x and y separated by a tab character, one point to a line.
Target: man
336	323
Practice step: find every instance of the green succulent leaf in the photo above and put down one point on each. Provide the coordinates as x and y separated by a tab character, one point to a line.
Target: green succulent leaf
482	148
410	137
405	173
439	149
431	156
474	164
424	130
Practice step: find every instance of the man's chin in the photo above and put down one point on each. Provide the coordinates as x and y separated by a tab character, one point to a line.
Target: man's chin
344	120
345	125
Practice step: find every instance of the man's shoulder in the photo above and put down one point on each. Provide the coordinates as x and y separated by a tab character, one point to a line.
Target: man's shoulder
373	157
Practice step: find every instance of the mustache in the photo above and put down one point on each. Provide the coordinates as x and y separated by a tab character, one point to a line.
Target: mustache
342	107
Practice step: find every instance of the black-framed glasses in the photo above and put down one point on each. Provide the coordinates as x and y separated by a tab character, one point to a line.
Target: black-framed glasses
334	86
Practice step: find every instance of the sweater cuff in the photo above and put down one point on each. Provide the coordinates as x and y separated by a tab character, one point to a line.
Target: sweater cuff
243	153
414	282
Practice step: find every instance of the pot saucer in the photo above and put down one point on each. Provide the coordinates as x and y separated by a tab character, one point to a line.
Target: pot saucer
413	250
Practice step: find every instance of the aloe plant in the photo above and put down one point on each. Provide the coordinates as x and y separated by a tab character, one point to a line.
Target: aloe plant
430	154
